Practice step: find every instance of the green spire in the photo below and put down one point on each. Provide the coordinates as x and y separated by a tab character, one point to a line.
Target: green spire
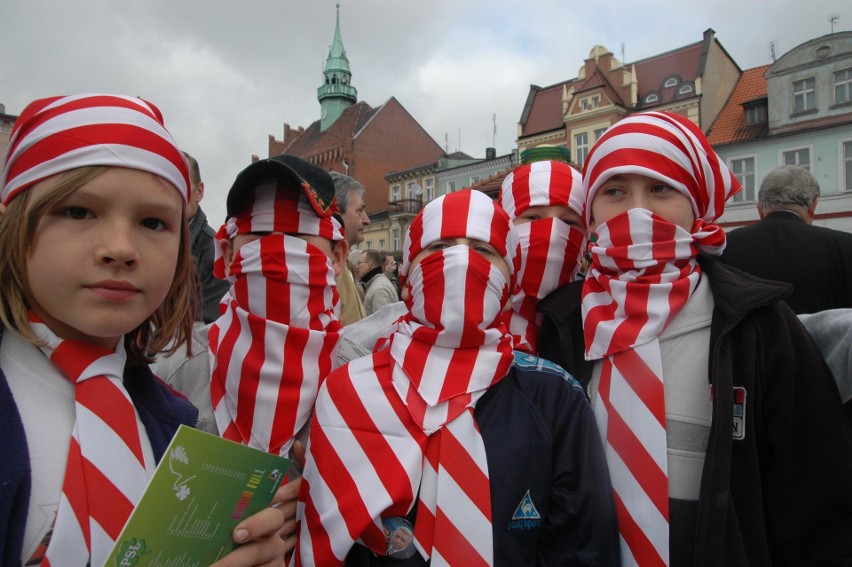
336	94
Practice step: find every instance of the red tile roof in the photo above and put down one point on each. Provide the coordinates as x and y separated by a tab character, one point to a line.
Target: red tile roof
729	126
545	112
653	71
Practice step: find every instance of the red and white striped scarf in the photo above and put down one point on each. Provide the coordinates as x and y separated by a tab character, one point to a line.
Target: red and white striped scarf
401	422
106	471
551	250
61	133
277	336
643	271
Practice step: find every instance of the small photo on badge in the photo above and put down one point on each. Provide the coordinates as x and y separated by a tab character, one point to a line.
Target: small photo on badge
399	538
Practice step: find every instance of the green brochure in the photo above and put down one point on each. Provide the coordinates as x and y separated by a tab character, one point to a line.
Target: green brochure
203	487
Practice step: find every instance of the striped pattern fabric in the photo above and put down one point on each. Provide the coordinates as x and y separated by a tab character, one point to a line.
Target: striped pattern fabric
666	147
551	250
58	134
274	343
643	272
106	471
396	429
541	183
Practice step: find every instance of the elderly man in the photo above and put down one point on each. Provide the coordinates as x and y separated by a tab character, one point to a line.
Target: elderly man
350	201
787	247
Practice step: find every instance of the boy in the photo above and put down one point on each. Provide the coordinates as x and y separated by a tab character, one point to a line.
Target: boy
742	471
418	435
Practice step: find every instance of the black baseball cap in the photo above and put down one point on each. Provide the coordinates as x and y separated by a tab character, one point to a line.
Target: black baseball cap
315	182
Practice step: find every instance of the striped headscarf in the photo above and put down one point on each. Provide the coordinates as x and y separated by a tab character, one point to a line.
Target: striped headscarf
58	134
396	429
277	336
643	272
551	250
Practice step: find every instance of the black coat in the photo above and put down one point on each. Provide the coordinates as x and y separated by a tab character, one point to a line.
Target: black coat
783	247
782	494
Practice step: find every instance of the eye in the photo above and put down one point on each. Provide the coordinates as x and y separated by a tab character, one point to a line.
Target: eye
529	217
612	191
572	222
660	188
485	250
153	224
261	234
435	246
77	213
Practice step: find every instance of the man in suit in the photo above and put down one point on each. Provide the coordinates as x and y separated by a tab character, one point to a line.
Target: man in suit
787	247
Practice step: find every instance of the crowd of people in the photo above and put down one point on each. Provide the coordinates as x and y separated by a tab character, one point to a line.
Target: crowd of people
580	372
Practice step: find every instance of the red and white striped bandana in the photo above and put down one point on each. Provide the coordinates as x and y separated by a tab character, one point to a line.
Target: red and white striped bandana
106	471
551	250
400	422
277	337
643	271
58	134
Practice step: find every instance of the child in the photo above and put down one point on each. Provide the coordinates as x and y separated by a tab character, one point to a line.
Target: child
96	276
544	199
753	469
486	458
281	248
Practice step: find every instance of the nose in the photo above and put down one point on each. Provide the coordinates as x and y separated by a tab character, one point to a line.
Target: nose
365	218
118	247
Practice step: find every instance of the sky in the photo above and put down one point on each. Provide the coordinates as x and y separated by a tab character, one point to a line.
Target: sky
227	74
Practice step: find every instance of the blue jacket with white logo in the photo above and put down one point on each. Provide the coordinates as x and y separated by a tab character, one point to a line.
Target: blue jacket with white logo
551	499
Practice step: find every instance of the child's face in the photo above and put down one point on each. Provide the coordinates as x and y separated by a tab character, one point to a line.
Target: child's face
561	212
104	258
626	191
483	248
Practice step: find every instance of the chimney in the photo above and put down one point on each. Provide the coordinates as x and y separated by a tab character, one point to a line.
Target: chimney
490	153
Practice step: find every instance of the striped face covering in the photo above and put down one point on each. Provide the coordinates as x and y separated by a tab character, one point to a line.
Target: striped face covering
643	272
551	250
106	471
396	429
277	336
58	134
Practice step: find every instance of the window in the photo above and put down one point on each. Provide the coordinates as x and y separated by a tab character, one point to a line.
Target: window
369	245
843	86
800	157
430	189
590	102
670	82
451	186
804	95
652	98
395	238
475	179
411	189
581	147
685	89
598	133
395	190
381	244
755	115
847	165
743	170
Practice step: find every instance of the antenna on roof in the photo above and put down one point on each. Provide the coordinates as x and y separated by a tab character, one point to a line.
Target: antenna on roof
446	143
772	51
622	52
832	19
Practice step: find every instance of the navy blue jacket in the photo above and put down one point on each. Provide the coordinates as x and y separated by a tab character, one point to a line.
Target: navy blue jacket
540	436
160	410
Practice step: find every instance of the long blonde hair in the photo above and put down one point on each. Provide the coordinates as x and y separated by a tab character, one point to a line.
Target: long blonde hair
164	331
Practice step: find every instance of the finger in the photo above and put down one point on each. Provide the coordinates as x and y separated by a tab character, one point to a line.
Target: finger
299	453
287	492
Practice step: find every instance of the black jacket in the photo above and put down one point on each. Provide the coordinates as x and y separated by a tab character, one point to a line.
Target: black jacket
210	288
782	494
783	247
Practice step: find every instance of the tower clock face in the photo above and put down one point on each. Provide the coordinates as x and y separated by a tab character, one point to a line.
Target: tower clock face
324	113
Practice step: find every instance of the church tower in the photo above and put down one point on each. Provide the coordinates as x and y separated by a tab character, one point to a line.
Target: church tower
336	94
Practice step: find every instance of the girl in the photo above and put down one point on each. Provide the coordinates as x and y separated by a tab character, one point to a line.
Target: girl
96	277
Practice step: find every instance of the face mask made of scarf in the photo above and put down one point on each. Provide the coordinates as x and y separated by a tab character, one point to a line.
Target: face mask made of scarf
643	271
453	342
551	252
275	341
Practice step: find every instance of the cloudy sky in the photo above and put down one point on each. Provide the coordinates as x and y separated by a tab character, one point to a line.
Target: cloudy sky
228	73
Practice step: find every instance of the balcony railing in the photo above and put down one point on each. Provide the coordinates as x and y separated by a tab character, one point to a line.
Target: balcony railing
405	207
